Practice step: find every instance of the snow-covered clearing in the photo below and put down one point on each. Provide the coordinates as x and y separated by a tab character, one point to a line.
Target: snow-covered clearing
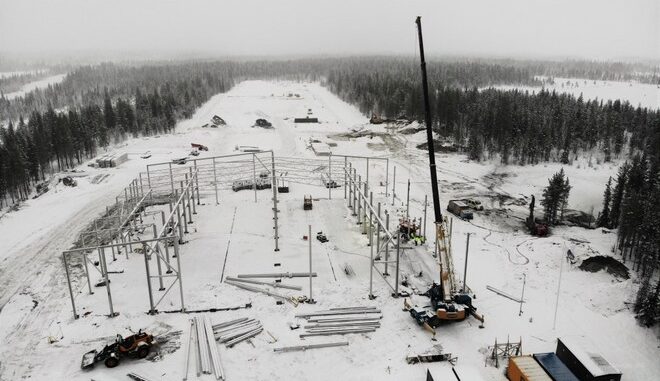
39	84
638	94
236	236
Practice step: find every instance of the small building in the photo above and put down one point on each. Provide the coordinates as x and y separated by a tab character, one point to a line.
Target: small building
306	120
525	368
556	369
585	365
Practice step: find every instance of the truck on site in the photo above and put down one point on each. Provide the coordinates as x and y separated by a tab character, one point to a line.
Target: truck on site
474	204
535	225
460	208
449	301
307	203
199	147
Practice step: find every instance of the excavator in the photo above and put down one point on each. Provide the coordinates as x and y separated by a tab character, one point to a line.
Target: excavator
449	302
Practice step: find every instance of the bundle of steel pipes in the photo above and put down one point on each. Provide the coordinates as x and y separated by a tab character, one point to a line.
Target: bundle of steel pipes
203	343
234	331
341	321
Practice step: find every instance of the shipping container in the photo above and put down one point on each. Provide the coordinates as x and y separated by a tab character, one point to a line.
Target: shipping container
525	368
555	368
585	365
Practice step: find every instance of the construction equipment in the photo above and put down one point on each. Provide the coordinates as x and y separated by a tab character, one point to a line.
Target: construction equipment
307	203
199	147
536	226
321	237
263	123
460	208
138	345
448	301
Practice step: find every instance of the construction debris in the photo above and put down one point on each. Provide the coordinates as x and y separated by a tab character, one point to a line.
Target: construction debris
310	346
208	358
504	294
434	355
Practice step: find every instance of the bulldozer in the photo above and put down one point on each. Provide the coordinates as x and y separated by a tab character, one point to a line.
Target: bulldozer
137	345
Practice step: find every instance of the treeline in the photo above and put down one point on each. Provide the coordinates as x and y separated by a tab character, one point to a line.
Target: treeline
55	140
631	203
519	127
594	70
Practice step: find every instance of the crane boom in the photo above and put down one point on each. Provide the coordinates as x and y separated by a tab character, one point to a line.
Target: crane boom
444	254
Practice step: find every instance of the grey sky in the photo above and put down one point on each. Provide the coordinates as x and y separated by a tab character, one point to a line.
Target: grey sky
598	29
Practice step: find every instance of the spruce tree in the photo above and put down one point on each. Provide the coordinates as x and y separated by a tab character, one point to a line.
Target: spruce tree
604	218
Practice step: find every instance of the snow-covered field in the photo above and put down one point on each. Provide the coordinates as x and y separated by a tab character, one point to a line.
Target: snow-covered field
236	236
39	84
638	94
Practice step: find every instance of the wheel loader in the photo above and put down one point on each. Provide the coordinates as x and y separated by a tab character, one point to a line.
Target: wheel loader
137	345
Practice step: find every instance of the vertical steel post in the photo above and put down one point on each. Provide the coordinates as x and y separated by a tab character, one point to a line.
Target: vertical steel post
104	266
371	226
89	282
378	234
275	217
364	210
141	186
215	183
394	186
359	200
387	176
387	245
408	203
366	181
398	256
146	267
330	176
178	216
182	204
371	251
254	176
167	250
171	178
467	250
178	272
158	265
345	176
68	281
191	189
522	295
309	238
425	206
196	182
148	177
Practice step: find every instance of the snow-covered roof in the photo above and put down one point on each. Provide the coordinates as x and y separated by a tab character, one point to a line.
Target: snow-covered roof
530	368
595	363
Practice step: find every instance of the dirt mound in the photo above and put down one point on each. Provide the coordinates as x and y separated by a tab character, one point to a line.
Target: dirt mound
609	264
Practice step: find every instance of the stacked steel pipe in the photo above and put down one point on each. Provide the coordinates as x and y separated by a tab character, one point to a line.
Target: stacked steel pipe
341	321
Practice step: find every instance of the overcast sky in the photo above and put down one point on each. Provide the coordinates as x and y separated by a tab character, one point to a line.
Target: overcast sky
594	29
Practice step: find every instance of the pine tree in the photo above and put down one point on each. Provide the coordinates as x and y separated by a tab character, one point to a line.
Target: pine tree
617	196
555	197
604	218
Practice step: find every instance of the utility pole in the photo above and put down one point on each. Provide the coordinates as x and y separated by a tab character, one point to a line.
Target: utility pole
394	186
522	295
467	250
425	206
561	269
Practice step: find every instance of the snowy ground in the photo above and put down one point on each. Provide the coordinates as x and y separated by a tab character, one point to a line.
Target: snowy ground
236	236
638	94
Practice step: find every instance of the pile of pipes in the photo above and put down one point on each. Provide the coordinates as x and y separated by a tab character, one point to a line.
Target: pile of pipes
206	350
341	321
250	282
233	332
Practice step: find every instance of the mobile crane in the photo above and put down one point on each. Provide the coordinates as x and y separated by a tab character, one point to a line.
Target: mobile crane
449	301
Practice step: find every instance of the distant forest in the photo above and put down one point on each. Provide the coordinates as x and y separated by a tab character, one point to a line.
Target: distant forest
521	128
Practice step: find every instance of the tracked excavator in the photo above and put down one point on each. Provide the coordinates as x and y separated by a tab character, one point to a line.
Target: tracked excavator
449	302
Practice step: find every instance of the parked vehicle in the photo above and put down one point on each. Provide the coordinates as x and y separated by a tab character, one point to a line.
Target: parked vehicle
474	204
307	203
460	209
138	345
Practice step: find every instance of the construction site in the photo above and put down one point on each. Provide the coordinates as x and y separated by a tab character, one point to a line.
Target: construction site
298	251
